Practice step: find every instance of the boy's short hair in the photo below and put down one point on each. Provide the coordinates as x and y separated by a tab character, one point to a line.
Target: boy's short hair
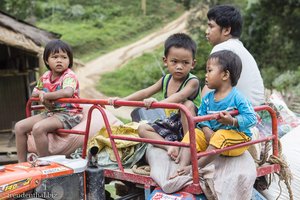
180	40
53	47
227	16
229	61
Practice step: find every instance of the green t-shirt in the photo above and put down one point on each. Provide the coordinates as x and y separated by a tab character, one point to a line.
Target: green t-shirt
195	99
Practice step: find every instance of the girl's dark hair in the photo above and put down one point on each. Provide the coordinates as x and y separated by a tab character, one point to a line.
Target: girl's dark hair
53	47
227	16
180	40
229	61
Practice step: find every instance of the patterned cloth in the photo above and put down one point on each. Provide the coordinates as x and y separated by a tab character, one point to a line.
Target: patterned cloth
169	128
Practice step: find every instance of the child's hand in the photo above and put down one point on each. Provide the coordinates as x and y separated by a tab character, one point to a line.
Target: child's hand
41	96
174	154
182	171
149	101
225	118
48	104
112	100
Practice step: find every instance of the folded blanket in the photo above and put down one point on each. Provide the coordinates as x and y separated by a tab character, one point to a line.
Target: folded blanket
125	148
130	152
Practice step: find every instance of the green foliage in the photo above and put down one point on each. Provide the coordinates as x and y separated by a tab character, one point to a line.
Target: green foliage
135	75
268	75
77	11
187	3
18	8
95	27
196	28
287	82
271	33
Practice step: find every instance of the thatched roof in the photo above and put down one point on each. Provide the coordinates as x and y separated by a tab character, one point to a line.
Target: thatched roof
23	35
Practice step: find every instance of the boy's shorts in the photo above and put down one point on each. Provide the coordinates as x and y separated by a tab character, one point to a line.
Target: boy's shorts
69	120
169	128
220	139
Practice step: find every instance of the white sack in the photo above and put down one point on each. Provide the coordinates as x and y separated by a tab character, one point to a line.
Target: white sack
233	177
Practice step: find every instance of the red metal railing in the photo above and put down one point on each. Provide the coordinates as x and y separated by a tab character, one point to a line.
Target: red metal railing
100	103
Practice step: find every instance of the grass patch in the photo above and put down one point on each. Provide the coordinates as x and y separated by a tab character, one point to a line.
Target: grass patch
107	25
135	75
138	74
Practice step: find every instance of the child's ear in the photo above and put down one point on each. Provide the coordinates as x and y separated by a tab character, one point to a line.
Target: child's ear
226	75
194	63
165	61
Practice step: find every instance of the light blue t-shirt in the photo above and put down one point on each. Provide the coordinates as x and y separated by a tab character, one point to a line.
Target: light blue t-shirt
233	101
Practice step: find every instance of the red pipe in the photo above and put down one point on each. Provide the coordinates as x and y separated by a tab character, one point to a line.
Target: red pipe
191	124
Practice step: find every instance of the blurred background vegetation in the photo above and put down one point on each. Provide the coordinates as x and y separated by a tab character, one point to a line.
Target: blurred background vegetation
271	32
95	27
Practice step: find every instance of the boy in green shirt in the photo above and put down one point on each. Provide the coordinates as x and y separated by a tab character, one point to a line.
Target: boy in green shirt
179	86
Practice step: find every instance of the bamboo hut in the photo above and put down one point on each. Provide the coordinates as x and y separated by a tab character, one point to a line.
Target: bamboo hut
21	47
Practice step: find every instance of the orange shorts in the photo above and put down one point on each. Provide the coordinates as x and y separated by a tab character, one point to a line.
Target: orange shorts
220	139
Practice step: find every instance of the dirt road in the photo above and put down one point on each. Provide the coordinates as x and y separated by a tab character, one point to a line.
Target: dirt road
90	74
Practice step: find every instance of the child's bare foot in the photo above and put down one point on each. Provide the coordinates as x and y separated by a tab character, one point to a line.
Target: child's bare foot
182	171
173	152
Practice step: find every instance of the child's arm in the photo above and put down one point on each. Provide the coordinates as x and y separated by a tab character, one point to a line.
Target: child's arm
69	86
63	93
140	95
189	90
36	93
247	116
244	120
145	93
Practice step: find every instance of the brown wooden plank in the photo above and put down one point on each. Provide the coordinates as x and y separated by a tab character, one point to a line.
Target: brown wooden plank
7	143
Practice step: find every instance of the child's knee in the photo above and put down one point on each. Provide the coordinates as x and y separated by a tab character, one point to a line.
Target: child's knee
19	127
143	128
190	106
37	129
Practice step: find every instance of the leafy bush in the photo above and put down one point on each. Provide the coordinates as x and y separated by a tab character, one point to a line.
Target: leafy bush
77	11
287	82
272	34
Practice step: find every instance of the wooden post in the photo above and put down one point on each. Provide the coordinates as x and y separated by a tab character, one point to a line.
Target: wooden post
143	4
